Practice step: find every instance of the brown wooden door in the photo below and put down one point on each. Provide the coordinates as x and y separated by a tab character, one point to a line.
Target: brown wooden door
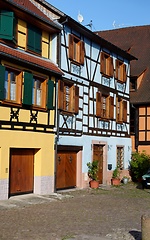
98	155
21	171
66	170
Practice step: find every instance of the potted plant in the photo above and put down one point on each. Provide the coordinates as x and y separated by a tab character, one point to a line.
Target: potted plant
93	168
125	179
116	177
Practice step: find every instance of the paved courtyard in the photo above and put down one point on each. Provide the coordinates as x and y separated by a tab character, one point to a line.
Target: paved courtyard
106	213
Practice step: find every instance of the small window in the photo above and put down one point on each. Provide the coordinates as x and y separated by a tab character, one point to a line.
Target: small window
120	71
120	157
11	85
68	97
104	106
76	50
34	41
121	111
133	83
106	66
35	92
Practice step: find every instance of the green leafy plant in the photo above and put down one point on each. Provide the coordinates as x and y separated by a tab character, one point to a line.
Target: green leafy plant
116	173
139	164
93	168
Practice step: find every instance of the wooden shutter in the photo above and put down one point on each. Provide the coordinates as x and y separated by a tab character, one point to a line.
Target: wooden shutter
116	69
7	25
124	73
28	88
60	95
2	82
19	87
124	111
71	39
98	104
82	52
102	63
50	95
34	39
76	99
111	67
111	107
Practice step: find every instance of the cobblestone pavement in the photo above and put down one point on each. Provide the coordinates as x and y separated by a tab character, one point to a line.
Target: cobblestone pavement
104	214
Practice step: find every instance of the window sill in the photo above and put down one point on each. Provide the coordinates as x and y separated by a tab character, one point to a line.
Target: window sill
76	62
106	75
11	103
120	81
66	112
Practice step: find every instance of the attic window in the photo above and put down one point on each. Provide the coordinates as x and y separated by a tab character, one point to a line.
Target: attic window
133	83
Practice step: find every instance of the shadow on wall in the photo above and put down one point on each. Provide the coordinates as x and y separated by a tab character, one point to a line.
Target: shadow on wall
136	234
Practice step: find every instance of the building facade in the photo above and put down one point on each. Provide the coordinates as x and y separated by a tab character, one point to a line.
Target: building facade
28	73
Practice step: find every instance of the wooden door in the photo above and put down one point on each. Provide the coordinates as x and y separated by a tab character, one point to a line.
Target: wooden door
66	170
21	171
98	155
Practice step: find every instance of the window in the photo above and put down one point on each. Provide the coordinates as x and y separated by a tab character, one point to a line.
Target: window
10	81
120	71
106	65
68	97
34	39
120	157
133	83
7	25
104	106
121	110
35	92
76	50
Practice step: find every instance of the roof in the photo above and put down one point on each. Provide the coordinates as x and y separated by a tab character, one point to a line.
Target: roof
136	41
32	9
33	60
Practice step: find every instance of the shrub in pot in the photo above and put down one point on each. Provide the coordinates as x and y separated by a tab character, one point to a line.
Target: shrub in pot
93	168
116	177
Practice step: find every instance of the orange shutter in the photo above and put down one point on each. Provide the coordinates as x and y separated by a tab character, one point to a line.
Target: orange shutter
125	111
111	107
102	65
82	52
71	38
60	94
98	104
19	87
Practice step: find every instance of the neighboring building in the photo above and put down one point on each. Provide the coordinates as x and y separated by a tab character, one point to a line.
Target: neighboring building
93	105
28	71
135	40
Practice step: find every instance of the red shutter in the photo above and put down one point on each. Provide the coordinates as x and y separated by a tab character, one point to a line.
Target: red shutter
98	104
60	94
111	67
117	66
124	73
82	52
111	107
71	39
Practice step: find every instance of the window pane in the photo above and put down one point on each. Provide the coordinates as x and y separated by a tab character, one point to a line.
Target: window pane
6	85
12	86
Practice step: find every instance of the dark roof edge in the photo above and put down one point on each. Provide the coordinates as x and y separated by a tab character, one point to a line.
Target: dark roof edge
102	41
51	22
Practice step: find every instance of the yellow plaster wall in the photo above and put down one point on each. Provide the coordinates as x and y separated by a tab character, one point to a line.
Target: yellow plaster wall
144	148
44	154
22	34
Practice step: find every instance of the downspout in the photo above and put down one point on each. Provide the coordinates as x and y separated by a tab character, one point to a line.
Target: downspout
57	111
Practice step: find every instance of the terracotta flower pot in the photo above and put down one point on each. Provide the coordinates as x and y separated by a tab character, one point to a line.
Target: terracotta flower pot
94	184
115	181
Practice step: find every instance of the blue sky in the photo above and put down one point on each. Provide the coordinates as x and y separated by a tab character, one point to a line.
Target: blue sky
108	14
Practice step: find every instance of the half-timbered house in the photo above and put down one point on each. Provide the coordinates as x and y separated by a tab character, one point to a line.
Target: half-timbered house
135	40
93	104
28	72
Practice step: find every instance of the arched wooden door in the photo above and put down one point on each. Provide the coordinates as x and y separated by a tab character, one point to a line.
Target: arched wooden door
98	155
66	170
